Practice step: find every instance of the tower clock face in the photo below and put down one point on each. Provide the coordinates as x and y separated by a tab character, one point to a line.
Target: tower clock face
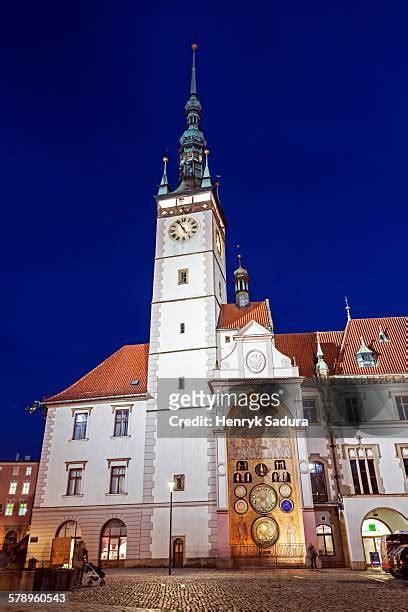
183	229
262	498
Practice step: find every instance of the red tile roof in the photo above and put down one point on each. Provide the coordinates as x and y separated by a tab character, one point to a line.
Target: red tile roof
234	317
392	356
111	378
303	347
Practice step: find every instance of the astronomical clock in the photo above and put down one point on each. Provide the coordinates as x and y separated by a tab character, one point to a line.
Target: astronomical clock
265	508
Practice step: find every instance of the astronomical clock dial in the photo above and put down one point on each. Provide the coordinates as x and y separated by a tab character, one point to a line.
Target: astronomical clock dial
240	491
261	469
183	229
262	498
241	506
286	505
285	490
265	531
218	242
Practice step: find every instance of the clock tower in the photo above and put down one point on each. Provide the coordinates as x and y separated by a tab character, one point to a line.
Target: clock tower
189	287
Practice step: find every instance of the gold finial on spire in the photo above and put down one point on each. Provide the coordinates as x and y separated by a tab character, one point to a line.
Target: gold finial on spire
239	255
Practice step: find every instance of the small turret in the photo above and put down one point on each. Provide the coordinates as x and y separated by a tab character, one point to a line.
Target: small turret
241	283
322	369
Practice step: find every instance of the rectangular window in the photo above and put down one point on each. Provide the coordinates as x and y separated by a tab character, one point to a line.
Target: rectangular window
13	487
402	407
80	425
310	410
183	276
121	423
22	511
353	410
9	509
74	481
16	470
181	382
182	328
227	339
26	488
363	470
354	474
117	483
29	470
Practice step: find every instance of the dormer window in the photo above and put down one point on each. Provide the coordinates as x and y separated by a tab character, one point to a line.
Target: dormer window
365	357
382	336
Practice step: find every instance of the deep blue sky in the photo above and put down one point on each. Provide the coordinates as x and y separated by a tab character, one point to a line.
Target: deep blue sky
305	111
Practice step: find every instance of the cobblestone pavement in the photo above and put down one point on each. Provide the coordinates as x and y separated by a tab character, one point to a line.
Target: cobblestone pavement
213	591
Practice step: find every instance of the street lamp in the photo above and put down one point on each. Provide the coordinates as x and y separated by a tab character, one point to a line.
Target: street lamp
171	488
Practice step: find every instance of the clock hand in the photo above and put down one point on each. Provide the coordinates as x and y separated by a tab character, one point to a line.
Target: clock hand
182	227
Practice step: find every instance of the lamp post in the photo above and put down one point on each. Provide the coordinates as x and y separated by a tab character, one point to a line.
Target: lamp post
171	487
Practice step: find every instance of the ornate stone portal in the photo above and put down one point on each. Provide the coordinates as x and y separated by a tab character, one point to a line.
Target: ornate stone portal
265	507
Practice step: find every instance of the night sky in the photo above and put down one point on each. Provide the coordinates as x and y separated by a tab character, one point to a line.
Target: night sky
305	110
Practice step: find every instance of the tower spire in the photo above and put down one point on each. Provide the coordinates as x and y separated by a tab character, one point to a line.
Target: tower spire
193	86
192	142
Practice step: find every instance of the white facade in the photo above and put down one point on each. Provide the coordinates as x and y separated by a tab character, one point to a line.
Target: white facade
124	476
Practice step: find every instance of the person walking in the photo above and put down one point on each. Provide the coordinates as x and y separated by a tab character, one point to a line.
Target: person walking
313	556
79	558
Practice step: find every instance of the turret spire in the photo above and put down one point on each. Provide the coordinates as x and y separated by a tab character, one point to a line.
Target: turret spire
206	182
347	309
322	369
164	184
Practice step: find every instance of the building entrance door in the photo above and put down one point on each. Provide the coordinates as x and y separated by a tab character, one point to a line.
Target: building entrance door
178	552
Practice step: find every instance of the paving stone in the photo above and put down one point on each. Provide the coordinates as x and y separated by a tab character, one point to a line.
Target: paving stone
251	591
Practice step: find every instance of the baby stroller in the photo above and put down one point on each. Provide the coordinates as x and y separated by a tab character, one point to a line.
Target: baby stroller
94	574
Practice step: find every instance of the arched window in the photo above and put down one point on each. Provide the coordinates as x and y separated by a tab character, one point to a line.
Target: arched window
63	544
113	543
69	529
10	538
325	543
318	481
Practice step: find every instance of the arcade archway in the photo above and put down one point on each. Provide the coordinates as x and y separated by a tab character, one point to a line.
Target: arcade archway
376	524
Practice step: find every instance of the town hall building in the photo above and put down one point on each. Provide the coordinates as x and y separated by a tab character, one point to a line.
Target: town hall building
335	475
